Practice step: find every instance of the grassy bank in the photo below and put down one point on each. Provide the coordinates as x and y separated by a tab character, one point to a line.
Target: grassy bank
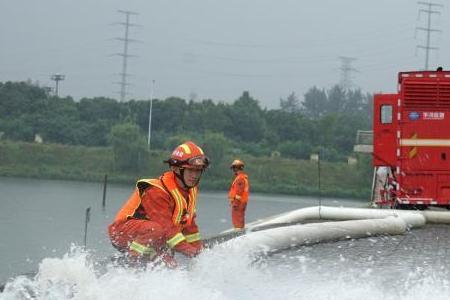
267	175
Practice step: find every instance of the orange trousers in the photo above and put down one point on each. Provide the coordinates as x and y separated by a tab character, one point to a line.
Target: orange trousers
144	232
238	214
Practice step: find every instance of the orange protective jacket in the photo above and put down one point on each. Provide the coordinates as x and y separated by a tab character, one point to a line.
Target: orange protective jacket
239	189
162	201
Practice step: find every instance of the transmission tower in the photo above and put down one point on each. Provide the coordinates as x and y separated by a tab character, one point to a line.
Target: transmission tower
429	9
346	70
125	55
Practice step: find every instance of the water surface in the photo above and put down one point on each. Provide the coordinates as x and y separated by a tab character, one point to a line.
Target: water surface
41	219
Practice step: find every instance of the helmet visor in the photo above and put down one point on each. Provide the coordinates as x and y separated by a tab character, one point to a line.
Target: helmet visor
197	162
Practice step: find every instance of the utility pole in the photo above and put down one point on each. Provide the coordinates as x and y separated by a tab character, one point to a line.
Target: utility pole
125	55
150	113
346	70
430	9
57	78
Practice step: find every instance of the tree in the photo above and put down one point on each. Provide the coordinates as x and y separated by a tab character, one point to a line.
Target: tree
291	104
248	124
130	151
283	125
297	149
206	116
58	121
169	115
337	98
315	102
355	103
324	118
215	145
18	98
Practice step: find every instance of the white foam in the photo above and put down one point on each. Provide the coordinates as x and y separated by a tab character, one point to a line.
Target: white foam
226	272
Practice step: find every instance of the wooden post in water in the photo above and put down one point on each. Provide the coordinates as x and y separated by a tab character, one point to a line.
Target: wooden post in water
318	181
86	221
105	183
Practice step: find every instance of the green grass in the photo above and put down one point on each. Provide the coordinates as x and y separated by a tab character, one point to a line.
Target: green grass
267	175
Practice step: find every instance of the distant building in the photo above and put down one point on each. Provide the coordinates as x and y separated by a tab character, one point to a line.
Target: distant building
314	157
275	154
351	160
38	139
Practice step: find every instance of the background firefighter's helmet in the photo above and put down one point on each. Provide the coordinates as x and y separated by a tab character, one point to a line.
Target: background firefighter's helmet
239	164
188	155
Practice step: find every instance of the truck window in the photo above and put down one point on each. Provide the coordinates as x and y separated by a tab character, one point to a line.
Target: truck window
386	114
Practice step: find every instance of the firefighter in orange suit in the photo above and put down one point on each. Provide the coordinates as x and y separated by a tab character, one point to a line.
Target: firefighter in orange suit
238	195
159	216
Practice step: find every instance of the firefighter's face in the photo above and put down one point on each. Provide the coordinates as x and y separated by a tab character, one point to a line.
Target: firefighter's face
235	170
192	176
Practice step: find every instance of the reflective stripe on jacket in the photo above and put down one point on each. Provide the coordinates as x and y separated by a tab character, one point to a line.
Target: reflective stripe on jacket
184	209
237	193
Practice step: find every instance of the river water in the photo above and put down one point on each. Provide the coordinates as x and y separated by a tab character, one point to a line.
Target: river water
42	230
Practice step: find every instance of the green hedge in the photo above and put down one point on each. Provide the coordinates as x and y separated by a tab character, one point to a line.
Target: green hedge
267	174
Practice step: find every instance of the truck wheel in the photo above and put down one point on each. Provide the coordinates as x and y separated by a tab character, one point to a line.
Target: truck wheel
421	207
400	206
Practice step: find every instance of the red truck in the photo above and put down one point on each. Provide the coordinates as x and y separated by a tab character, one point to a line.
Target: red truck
411	142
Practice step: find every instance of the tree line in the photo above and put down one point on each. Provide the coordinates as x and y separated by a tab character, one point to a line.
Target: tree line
324	120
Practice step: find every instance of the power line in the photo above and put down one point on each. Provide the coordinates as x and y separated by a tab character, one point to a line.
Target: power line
125	55
429	6
292	60
353	38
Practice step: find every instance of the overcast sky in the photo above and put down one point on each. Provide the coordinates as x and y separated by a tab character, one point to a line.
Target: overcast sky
217	49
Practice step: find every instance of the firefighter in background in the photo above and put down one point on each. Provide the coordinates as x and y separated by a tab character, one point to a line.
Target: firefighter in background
238	195
159	216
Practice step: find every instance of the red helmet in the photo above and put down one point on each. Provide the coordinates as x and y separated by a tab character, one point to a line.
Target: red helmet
188	155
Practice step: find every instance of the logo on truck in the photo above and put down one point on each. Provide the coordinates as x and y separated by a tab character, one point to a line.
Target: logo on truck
414	115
